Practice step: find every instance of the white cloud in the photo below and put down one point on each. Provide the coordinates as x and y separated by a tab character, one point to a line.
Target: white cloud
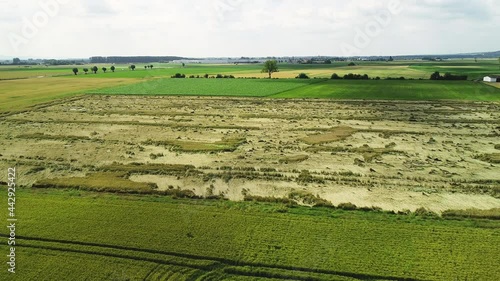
201	28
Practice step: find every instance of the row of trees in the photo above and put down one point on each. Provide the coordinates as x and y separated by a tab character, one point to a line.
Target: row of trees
447	76
218	76
104	69
93	69
350	76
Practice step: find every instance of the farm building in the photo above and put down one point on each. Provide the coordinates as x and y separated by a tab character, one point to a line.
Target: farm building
491	79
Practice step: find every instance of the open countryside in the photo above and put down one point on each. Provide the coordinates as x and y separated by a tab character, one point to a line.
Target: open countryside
250	140
313	157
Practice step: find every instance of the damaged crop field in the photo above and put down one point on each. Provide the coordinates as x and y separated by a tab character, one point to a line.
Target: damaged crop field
200	188
394	155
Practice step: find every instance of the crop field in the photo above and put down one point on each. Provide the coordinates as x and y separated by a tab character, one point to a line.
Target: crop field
23	93
209	87
314	88
159	238
396	90
134	175
392	154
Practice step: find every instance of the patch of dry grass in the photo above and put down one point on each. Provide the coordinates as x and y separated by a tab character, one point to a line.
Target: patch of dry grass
473	213
293	159
42	136
225	145
336	134
138	168
101	181
490	157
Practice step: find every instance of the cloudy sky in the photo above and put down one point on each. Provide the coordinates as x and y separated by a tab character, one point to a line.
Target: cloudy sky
234	28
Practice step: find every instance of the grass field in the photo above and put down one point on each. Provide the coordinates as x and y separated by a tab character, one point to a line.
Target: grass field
140	237
395	90
314	88
19	94
209	87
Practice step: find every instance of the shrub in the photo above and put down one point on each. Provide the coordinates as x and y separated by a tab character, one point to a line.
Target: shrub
423	212
352	76
335	76
302	76
351	64
179	75
347	206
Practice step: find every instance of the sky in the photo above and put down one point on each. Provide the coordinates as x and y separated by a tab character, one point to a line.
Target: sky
251	28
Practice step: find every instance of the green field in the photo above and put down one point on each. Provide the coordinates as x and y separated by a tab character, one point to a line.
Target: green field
209	87
395	90
140	237
23	86
314	88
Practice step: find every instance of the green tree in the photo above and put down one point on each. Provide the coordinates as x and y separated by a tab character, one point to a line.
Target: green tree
335	76
104	69
302	76
85	70
328	61
270	67
94	69
151	66
16	61
132	67
435	76
75	70
112	68
498	63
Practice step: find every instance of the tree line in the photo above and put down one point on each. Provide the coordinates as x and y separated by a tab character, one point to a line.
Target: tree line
104	69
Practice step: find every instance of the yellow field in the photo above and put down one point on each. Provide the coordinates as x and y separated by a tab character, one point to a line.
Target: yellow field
372	71
19	94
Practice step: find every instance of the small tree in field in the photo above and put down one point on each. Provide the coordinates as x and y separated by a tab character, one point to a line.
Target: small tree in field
104	69
151	66
75	70
94	69
112	68
132	67
270	67
85	70
435	76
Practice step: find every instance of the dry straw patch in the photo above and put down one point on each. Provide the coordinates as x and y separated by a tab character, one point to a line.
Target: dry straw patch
336	134
101	181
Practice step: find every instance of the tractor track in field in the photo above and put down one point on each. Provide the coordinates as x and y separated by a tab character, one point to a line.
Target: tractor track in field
218	263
